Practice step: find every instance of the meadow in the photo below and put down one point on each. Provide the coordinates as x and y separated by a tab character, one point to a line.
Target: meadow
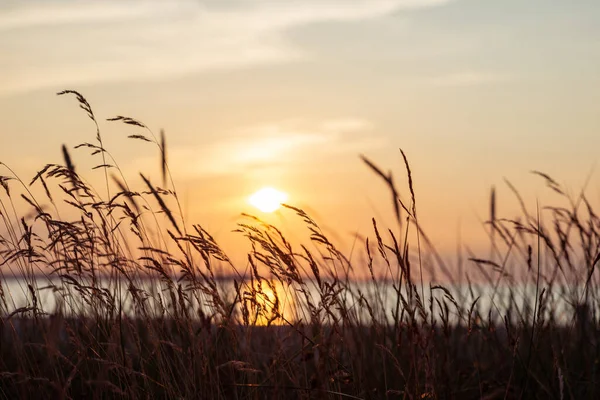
106	292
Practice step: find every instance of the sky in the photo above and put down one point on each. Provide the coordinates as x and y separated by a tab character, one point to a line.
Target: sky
289	94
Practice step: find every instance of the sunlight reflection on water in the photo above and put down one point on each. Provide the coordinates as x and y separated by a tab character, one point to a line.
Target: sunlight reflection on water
271	302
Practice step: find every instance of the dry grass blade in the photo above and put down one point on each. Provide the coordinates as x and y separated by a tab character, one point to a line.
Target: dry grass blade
390	182
519	199
410	183
127	120
67	158
83	103
140	137
592	268
551	183
70	166
493	264
161	203
4	182
493	208
163	157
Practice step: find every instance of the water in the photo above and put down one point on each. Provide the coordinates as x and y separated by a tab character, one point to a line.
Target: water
362	301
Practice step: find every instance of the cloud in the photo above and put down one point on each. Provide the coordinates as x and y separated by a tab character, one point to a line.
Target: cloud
470	78
58	43
280	145
36	14
346	125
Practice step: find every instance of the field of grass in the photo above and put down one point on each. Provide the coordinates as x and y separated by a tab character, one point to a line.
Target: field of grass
140	309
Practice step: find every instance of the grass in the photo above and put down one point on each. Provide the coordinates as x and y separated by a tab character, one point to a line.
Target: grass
140	308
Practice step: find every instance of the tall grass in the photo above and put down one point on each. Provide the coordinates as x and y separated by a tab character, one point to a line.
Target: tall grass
111	294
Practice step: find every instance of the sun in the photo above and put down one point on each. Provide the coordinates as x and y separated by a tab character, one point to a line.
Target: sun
267	199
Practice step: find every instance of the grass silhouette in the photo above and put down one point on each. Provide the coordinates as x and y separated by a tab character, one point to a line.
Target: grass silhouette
140	310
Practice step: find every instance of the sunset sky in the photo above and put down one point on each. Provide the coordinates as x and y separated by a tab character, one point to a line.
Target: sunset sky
288	94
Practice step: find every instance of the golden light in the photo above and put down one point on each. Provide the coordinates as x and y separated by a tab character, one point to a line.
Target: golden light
272	304
267	199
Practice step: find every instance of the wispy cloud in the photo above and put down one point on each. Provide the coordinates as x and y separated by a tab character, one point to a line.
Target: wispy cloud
280	145
37	14
470	78
346	125
66	42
